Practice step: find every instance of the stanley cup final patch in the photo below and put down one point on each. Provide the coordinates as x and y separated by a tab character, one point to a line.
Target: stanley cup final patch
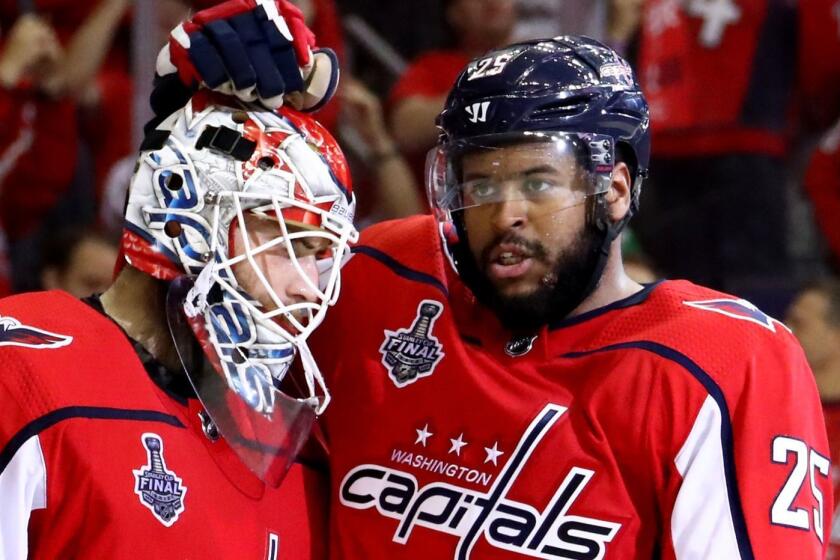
411	353
159	488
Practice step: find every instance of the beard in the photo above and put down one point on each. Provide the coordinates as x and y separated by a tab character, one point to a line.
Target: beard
571	278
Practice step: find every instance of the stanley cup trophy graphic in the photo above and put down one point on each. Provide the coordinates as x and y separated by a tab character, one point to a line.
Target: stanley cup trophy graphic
413	352
160	489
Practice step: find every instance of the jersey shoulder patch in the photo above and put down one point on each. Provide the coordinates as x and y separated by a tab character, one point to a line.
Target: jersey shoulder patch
14	333
737	308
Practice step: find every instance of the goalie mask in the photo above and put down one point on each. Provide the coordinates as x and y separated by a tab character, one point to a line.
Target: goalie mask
249	214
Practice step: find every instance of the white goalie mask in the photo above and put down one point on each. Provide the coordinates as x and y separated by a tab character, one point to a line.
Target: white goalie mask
252	212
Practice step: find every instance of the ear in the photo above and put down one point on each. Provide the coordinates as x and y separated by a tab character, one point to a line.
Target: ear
619	196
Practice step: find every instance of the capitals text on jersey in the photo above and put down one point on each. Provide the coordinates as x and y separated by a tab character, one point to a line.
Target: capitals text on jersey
506	524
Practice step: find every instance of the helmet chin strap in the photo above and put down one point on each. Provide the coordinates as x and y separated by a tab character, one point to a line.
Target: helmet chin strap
598	217
314	380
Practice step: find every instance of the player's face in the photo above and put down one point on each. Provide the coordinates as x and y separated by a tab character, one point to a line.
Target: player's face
276	264
531	246
518	240
807	318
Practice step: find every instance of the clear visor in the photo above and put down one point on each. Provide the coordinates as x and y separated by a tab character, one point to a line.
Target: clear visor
556	170
266	439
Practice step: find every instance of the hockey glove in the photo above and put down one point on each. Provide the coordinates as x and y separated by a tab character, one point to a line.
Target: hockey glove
256	50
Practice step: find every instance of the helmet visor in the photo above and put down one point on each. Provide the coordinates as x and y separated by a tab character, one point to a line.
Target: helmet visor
555	170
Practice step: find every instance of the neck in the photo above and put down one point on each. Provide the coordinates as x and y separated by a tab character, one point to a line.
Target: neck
137	303
614	285
827	376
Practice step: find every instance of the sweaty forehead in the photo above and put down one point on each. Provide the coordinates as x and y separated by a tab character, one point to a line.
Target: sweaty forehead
518	158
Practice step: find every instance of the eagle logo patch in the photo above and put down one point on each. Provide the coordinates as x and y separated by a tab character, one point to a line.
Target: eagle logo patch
159	488
412	353
737	309
13	333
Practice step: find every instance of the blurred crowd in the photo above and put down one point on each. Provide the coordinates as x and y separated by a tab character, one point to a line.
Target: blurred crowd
745	180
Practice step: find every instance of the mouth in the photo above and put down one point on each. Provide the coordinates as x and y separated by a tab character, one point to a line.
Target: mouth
509	261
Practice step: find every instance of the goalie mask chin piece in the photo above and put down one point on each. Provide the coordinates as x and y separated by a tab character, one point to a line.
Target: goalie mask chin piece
267	437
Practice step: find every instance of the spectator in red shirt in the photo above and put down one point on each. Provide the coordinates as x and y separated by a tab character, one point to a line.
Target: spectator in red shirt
721	79
386	186
819	62
40	157
417	98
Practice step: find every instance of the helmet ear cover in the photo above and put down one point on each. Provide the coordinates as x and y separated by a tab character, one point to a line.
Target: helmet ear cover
598	211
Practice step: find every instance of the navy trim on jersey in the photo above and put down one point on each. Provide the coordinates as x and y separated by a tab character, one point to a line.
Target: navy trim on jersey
400	269
40	424
726	432
635	299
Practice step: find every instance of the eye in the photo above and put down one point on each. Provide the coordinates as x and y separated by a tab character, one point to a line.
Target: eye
537	185
480	190
318	246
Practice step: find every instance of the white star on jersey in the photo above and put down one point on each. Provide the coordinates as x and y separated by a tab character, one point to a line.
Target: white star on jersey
423	435
457	444
493	453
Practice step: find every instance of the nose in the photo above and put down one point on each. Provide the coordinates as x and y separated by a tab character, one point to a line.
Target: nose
298	289
509	214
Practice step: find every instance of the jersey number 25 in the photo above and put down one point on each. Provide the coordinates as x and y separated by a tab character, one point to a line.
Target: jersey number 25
806	463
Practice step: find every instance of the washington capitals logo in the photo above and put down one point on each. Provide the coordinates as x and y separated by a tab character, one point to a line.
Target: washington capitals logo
159	489
12	333
738	309
494	514
409	354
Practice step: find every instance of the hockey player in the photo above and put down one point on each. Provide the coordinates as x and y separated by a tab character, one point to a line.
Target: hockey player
236	225
528	398
523	397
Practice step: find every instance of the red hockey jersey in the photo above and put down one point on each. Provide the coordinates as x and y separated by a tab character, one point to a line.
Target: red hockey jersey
832	424
679	423
96	461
